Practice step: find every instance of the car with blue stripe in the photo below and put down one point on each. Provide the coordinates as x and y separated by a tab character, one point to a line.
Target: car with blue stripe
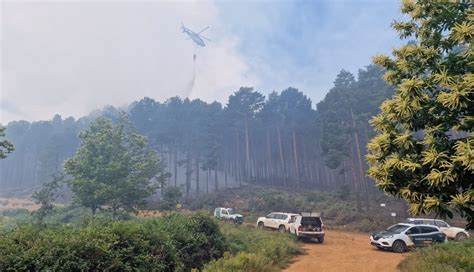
400	237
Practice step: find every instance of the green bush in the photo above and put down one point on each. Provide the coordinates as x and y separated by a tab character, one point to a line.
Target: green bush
251	249
80	216
173	243
171	197
117	247
452	256
197	239
10	218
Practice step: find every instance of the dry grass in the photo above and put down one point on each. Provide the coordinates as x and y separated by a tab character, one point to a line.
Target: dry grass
18	203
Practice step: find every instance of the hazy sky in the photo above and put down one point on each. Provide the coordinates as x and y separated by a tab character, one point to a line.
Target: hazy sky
71	57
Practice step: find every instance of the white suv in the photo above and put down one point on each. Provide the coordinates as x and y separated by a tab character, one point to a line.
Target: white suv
401	236
276	220
450	231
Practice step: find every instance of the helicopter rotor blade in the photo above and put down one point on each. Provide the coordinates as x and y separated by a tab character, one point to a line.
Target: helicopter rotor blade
203	30
206	38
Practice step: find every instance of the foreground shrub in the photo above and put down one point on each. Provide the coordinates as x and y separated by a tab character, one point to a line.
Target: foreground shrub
251	249
173	243
196	239
452	256
243	261
118	246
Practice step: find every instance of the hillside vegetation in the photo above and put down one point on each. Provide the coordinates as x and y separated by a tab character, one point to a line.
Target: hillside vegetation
279	139
453	256
338	208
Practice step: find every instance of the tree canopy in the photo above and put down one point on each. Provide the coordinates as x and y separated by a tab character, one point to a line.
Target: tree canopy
113	166
279	139
5	146
424	147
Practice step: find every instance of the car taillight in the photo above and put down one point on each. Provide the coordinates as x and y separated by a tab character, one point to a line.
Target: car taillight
300	228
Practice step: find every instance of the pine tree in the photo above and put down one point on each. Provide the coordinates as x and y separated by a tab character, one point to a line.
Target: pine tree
5	146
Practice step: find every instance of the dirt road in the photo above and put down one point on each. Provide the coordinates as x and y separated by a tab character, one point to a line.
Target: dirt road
345	251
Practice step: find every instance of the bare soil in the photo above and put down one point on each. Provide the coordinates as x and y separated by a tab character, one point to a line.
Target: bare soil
345	251
18	203
148	213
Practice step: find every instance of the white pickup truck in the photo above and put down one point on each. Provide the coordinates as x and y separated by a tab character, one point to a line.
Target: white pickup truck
308	225
228	214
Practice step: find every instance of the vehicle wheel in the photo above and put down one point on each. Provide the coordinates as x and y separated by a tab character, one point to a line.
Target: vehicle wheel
321	240
261	225
282	229
461	236
399	246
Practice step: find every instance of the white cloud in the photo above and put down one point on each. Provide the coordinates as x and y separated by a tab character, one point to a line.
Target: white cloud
71	58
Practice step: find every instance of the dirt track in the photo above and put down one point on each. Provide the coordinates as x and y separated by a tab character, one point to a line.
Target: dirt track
345	251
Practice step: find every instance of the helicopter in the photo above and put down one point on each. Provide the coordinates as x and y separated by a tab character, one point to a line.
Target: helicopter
196	37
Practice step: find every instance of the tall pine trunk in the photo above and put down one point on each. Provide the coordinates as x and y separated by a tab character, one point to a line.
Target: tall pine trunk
225	172
176	167
188	174
297	170
207	180
197	174
237	161
356	186
359	159
281	157
247	148
269	172
216	188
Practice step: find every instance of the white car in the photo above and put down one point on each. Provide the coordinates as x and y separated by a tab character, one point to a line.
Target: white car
450	231
308	225
276	220
402	236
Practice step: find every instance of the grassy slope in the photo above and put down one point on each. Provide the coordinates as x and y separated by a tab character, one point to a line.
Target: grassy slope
452	256
338	208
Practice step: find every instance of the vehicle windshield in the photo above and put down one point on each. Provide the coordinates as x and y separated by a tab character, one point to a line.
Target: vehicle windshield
230	211
397	228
